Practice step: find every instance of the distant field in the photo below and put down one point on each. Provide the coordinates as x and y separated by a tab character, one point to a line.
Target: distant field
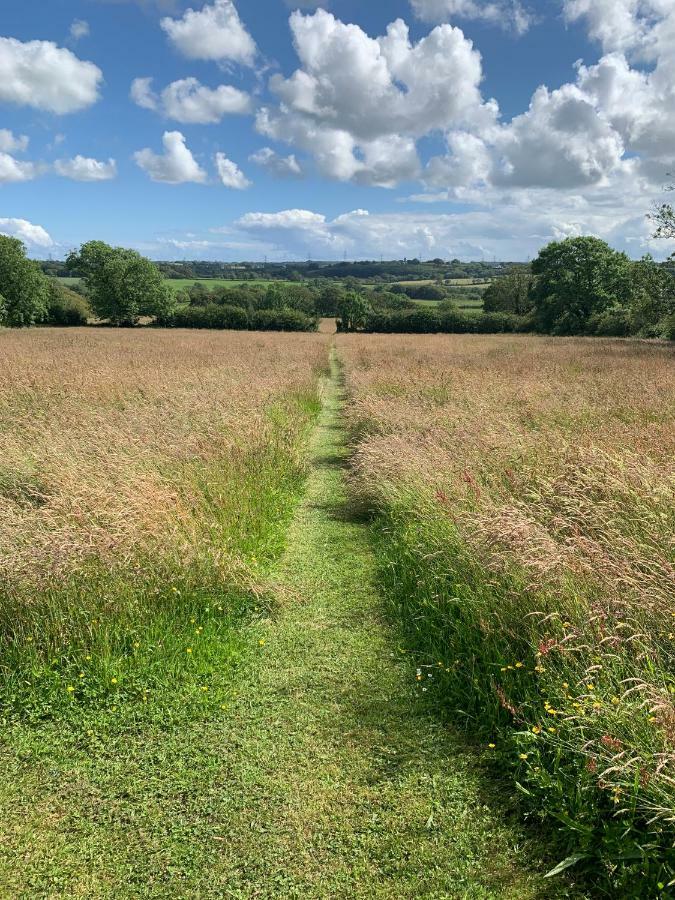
463	282
181	284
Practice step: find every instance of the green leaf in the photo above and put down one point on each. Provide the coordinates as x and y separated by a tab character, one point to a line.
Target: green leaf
565	864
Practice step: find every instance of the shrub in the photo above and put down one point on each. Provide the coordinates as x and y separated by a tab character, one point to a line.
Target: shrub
615	322
211	316
282	320
65	307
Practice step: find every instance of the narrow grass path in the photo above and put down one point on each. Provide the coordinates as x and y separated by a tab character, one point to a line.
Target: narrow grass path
340	785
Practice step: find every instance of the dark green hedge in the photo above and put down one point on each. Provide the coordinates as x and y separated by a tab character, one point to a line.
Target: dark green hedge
430	321
235	318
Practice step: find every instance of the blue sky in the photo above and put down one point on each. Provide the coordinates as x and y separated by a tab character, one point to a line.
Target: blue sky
466	128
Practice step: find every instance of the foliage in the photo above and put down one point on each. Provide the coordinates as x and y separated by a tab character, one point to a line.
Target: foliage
122	284
512	293
211	316
65	307
23	287
353	309
283	319
444	320
577	278
653	295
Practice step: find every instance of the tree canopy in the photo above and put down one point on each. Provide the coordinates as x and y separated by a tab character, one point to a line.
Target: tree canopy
122	284
24	290
576	279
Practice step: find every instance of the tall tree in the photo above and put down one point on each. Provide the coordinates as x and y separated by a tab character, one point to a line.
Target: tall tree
24	290
122	284
576	279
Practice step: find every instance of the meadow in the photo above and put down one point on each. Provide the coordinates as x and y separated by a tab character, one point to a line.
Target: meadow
524	493
297	614
146	479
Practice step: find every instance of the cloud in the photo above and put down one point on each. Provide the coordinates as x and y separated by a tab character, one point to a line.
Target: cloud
46	77
176	166
11	143
358	104
505	13
560	142
230	174
33	235
12	169
214	33
190	102
281	166
79	29
619	25
81	168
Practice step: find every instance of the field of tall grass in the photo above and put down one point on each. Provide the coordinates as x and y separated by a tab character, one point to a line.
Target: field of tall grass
524	495
146	481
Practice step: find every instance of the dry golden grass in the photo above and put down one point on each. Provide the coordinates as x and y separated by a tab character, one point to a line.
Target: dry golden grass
98	429
532	482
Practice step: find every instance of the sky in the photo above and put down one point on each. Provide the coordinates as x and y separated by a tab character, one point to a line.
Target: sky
251	129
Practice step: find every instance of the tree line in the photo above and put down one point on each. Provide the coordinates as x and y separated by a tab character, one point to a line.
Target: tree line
579	286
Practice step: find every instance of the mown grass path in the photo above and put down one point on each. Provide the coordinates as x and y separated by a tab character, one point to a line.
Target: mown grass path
341	786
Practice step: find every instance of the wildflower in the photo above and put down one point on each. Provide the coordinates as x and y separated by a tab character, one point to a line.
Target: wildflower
90	732
652	719
524	755
70	689
590	687
539	669
597	705
87	657
565	685
536	730
81	675
261	642
136	644
519	665
113	681
615	701
552	729
566	624
492	746
205	689
189	650
503	669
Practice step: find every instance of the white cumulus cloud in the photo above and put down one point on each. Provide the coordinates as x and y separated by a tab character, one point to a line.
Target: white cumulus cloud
214	33
82	168
188	101
12	169
176	165
358	104
230	174
505	13
33	235
46	77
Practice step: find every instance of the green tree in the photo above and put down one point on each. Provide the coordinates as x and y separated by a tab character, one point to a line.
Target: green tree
576	279
511	293
653	295
663	217
24	289
122	284
353	310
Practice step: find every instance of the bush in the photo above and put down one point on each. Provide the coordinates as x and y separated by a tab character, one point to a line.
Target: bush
211	316
615	322
282	320
66	308
446	321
